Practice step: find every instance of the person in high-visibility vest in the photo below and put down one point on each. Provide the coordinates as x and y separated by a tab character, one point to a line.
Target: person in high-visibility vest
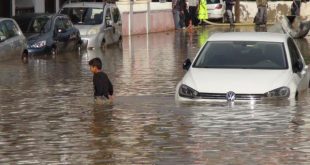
202	11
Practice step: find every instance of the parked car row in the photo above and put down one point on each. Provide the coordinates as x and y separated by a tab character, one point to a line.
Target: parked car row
88	24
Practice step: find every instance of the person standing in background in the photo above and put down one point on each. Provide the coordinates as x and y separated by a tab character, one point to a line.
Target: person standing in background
295	7
229	6
176	8
192	9
202	11
261	15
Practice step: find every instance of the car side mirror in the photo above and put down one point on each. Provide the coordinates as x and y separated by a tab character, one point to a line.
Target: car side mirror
187	63
299	66
2	38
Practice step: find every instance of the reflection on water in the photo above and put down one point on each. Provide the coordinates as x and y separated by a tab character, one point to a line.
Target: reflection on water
47	115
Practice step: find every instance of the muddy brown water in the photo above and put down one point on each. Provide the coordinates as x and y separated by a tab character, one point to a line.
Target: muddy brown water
47	115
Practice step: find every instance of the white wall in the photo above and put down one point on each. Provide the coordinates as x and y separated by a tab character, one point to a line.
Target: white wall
39	5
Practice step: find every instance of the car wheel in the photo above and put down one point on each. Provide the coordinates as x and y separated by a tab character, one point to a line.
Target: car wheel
25	57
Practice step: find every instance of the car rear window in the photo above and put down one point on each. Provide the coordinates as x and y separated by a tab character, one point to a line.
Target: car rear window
242	54
84	15
213	1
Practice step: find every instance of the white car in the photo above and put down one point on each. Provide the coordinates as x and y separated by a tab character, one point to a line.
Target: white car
99	23
245	66
216	9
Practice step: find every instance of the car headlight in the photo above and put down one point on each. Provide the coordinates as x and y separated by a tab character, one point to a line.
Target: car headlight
188	92
93	31
39	44
281	92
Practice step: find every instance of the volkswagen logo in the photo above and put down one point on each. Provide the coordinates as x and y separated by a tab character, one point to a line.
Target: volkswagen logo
230	96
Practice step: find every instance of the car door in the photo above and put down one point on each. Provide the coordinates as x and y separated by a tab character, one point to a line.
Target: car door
60	35
300	75
117	24
15	37
71	34
4	44
108	28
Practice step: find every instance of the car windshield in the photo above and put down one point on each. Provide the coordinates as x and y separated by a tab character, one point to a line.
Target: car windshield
39	24
242	54
84	16
213	1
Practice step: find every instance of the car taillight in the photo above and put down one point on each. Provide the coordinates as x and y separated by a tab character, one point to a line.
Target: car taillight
219	6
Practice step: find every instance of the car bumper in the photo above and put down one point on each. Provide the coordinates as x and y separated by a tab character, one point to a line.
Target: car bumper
39	51
213	14
91	41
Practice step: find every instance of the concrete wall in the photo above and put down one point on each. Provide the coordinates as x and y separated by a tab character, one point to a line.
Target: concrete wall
161	18
276	10
39	5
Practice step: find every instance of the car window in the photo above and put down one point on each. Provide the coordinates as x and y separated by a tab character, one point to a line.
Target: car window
3	31
67	23
294	53
108	16
59	24
116	15
242	54
39	24
213	1
84	15
12	29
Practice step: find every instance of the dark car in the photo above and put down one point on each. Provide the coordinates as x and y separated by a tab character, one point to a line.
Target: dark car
49	33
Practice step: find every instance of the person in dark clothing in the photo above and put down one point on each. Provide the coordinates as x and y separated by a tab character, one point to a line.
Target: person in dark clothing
229	7
295	7
103	88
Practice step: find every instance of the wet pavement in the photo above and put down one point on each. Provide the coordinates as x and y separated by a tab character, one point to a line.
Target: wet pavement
47	115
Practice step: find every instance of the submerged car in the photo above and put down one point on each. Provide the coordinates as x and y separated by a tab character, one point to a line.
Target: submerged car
49	33
12	41
99	23
245	66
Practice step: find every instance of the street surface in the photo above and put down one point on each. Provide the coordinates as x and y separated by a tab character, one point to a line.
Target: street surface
47	114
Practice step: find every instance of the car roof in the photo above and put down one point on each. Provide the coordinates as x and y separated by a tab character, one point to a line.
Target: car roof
30	15
86	4
249	36
3	18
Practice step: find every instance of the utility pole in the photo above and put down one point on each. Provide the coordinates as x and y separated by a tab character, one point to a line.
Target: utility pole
237	11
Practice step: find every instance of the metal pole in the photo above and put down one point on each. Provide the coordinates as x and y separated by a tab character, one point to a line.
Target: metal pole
148	17
130	17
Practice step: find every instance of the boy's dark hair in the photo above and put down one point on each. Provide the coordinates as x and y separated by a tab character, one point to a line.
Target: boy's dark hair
95	62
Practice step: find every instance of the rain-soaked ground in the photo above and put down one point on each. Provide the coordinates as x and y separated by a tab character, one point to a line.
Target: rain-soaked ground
47	115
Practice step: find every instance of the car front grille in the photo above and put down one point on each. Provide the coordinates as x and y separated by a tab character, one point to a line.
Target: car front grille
222	96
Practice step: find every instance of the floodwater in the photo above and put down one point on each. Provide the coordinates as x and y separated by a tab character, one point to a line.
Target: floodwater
47	115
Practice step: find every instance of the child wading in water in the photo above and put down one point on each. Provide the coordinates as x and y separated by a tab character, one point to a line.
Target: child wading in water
103	88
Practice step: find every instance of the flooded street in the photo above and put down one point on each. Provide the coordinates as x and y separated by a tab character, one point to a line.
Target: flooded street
47	115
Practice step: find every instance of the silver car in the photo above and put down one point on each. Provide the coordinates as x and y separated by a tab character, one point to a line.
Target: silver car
99	23
12	41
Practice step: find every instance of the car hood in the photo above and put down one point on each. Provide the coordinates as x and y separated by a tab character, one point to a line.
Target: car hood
85	28
246	81
34	37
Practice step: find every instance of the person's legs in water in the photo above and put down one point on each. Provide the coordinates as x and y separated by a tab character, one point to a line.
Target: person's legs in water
176	18
230	17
